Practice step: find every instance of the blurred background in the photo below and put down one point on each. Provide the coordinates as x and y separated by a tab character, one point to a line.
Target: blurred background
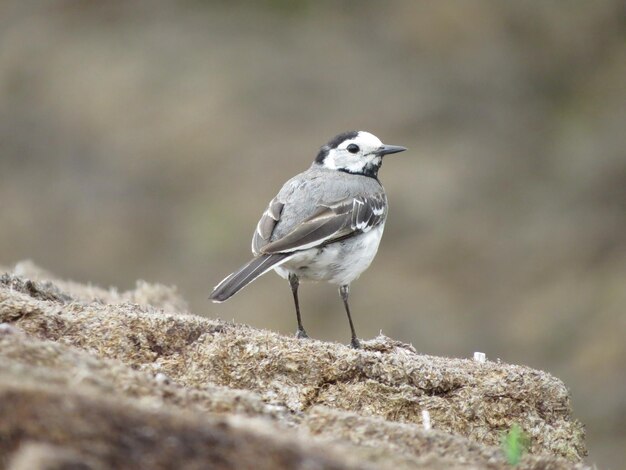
143	139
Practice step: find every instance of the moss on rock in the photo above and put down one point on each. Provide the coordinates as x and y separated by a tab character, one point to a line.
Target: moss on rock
80	361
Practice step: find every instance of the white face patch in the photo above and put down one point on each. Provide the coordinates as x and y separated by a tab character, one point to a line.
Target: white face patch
356	155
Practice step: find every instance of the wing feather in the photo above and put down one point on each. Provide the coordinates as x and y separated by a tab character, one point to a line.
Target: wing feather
266	225
329	223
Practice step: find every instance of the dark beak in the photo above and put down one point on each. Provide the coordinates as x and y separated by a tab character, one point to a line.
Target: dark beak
389	149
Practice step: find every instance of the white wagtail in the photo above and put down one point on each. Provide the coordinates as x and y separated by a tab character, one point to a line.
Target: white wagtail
325	224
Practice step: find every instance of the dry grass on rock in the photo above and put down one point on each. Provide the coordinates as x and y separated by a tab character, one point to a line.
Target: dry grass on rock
86	374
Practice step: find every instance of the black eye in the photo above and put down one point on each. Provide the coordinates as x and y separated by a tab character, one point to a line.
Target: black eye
353	148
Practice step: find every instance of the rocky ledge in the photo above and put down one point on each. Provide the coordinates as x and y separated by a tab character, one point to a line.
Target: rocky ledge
103	379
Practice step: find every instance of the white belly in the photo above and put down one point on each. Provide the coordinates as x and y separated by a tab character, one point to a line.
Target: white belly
338	263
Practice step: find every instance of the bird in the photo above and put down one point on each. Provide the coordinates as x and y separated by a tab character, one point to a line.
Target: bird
325	224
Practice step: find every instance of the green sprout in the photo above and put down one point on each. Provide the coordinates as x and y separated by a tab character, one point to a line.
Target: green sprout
514	444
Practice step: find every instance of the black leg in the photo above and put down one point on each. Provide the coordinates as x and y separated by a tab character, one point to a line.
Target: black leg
344	291
294	282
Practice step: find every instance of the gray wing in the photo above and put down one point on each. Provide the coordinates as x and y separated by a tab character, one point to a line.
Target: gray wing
329	222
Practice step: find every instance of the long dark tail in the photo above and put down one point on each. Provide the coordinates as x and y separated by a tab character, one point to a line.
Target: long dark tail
245	275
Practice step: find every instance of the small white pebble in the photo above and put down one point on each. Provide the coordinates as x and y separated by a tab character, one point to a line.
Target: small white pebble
162	378
426	420
480	357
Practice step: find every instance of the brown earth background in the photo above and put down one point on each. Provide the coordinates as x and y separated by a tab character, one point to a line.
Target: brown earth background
143	139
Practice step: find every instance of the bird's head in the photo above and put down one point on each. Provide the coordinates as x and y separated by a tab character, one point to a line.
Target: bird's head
356	152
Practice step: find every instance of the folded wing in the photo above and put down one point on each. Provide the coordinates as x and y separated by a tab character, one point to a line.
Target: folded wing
327	224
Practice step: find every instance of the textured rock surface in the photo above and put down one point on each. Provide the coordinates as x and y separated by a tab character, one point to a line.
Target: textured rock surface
110	379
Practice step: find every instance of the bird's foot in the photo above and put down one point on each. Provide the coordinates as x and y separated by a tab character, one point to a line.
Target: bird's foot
301	334
355	343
